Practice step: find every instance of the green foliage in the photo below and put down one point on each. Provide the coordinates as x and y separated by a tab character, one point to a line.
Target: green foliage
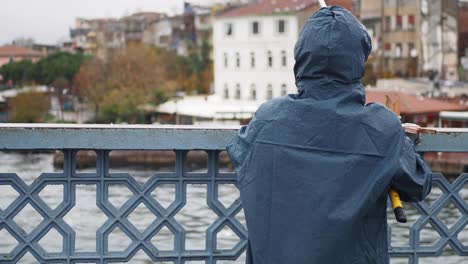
159	97
19	72
55	66
29	107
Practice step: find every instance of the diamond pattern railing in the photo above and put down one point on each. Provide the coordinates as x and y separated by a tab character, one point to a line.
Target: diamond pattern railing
134	216
124	217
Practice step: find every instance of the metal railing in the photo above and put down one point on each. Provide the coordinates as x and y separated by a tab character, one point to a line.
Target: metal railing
70	139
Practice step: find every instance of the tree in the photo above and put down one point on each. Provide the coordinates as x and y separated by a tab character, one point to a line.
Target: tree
29	107
131	78
19	72
47	70
135	75
59	65
91	83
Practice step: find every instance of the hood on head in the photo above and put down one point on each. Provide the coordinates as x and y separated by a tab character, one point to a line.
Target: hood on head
331	51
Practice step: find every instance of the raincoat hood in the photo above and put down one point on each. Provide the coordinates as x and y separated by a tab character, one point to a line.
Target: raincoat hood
331	53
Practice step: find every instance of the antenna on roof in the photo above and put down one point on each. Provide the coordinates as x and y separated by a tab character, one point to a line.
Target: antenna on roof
322	3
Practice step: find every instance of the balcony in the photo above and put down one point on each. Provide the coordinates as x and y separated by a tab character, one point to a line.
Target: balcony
191	214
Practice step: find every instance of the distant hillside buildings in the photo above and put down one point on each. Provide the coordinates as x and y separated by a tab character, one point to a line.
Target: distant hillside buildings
101	37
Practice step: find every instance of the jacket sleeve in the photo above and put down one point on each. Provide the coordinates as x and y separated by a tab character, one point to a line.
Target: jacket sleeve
413	178
238	147
241	146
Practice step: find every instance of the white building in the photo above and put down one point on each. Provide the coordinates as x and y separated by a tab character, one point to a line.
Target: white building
254	48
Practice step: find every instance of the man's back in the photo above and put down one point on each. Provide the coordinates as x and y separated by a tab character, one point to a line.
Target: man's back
314	168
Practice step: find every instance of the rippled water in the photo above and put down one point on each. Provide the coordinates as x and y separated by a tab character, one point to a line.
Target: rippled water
85	218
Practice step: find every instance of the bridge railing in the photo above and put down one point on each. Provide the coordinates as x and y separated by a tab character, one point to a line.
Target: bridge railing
123	216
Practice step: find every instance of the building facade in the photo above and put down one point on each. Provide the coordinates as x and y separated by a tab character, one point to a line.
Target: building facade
413	38
463	40
254	48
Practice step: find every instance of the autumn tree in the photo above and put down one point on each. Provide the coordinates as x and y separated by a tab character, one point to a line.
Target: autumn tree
131	78
29	107
91	83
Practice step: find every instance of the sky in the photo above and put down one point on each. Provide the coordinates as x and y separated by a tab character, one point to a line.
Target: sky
49	21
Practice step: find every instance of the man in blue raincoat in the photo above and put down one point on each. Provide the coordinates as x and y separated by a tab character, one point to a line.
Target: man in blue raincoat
314	169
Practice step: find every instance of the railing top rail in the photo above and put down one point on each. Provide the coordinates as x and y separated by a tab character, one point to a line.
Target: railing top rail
112	126
151	137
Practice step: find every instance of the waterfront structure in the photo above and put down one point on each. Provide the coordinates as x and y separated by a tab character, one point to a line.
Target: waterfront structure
254	48
116	201
17	53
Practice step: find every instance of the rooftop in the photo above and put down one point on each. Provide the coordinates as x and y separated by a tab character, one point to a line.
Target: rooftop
413	104
271	7
13	50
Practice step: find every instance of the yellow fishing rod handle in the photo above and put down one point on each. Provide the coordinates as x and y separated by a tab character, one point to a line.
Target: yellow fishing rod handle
397	206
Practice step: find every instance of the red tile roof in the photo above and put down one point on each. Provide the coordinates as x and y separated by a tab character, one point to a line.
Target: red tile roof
269	7
412	104
13	50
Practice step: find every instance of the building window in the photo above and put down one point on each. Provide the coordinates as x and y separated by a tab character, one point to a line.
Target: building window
412	53
387	24
284	90
269	92
398	50
270	59
238	62
238	92
226	91
284	59
253	92
399	22
411	22
226	60
229	30
281	26
255	28
387	50
252	59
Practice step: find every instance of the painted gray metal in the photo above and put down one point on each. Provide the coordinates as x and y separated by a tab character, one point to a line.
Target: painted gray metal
146	137
69	139
445	140
112	137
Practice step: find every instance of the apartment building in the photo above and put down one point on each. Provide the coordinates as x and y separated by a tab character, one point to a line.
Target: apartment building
413	37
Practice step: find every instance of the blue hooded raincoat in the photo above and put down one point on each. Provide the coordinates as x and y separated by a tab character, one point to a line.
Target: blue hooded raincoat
314	168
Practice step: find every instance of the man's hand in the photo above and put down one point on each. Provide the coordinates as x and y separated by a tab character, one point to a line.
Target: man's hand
411	128
416	130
